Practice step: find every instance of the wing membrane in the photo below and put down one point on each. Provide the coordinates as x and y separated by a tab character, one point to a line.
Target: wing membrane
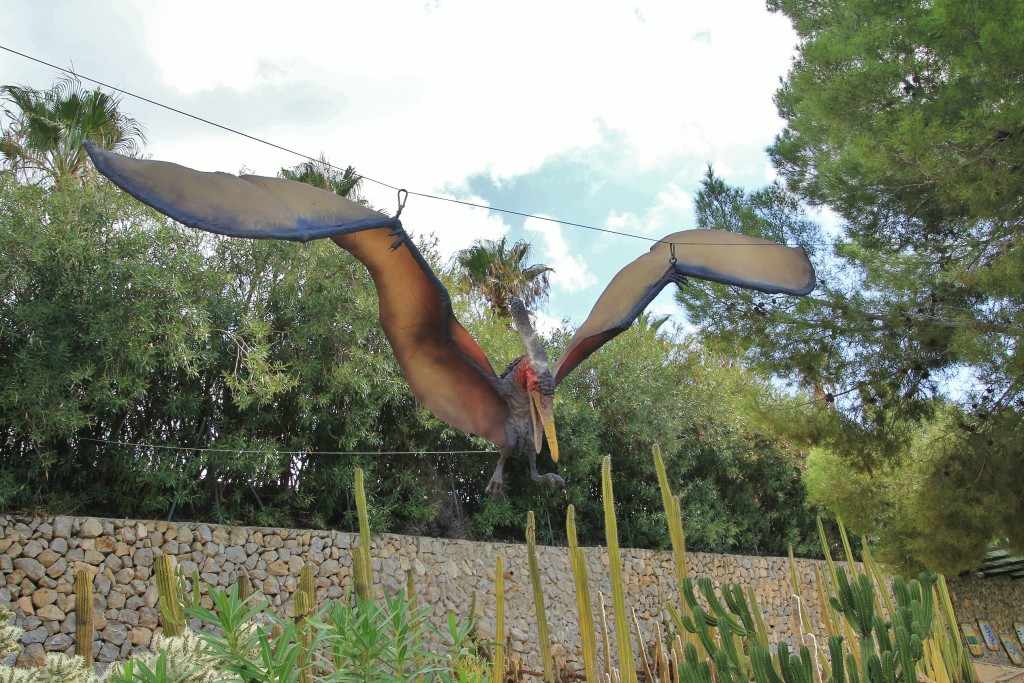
446	369
714	255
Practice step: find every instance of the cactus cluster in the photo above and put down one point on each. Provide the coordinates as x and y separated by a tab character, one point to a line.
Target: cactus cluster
712	635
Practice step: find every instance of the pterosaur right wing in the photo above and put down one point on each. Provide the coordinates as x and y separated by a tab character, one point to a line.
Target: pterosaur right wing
715	255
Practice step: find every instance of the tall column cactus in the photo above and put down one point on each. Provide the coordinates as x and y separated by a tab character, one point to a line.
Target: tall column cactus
362	566
307	585
83	616
538	598
498	664
578	561
627	669
172	606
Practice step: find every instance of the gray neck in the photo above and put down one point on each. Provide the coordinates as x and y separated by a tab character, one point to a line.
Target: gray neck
534	350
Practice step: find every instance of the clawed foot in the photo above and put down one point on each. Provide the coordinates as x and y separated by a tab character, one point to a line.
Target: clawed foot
494	487
549	478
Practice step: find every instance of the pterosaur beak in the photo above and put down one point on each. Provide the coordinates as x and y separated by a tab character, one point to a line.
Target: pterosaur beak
542	411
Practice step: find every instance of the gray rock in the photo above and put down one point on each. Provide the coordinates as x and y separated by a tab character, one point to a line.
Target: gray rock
107	653
58	642
143	557
61	529
115	633
149	617
235	554
33	569
32	549
37	635
90	528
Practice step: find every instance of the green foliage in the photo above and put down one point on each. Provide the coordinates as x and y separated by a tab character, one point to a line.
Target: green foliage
42	141
898	122
923	508
58	668
179	659
10	635
149	370
364	640
120	329
322	174
500	273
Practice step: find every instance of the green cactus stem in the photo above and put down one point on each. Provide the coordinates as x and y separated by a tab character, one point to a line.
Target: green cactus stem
83	616
627	669
498	663
578	562
307	585
364	565
172	608
244	585
538	598
360	577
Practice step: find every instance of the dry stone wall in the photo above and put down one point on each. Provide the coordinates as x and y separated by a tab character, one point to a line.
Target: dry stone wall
997	600
39	555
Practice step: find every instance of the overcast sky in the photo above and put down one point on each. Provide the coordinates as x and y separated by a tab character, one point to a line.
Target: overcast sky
602	113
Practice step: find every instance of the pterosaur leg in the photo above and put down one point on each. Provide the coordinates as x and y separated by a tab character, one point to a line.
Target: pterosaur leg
497	479
549	478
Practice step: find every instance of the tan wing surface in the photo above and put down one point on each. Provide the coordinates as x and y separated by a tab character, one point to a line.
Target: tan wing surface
446	369
715	255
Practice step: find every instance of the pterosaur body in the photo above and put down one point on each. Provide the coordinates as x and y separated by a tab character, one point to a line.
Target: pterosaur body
446	369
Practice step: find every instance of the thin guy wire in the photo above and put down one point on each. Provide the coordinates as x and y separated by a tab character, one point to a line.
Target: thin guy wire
279	452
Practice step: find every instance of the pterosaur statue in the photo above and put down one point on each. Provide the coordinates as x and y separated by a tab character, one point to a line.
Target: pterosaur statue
446	369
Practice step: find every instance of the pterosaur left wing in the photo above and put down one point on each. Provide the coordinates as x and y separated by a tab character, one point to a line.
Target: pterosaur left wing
716	255
446	369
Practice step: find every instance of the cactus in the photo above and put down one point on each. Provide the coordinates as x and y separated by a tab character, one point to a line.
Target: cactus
674	518
303	608
604	636
627	671
362	568
538	597
498	664
360	577
307	585
578	561
83	616
244	585
172	606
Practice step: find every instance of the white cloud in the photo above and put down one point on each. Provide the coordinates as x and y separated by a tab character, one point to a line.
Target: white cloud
423	95
671	212
456	226
571	272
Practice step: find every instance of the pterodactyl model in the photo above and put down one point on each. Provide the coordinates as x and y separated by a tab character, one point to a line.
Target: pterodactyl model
446	369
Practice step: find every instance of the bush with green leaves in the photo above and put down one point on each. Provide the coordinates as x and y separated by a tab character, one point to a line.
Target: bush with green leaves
359	640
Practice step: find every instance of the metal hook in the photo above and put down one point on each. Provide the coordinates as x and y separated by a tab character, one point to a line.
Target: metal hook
672	249
403	195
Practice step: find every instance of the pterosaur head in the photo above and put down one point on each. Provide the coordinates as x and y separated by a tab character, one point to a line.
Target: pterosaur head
538	382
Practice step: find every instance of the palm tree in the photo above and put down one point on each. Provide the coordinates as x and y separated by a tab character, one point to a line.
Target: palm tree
43	141
320	173
500	273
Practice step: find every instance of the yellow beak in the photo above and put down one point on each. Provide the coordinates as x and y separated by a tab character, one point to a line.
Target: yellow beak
542	412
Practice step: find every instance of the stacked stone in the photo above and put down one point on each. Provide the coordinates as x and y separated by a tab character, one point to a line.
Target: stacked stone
1000	601
39	556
